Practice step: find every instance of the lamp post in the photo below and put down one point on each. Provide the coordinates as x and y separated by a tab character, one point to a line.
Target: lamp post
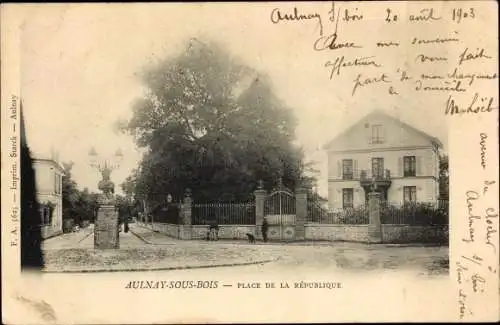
105	165
107	223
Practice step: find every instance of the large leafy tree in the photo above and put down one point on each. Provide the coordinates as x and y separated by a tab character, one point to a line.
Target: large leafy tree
444	181
213	125
77	205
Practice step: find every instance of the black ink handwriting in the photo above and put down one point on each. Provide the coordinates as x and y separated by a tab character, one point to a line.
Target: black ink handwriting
341	62
359	82
471	196
329	43
277	16
482	143
466	56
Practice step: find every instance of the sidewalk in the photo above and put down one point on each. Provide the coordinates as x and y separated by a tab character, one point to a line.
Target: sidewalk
151	237
76	254
68	240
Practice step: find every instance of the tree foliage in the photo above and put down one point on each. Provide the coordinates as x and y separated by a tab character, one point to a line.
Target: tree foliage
444	180
77	205
212	125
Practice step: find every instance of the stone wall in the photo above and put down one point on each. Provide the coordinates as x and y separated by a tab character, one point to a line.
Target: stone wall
327	232
171	230
225	231
390	233
414	234
332	232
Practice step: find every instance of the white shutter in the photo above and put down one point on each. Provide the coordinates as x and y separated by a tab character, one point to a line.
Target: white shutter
400	167
355	169
430	191
419	165
339	169
428	165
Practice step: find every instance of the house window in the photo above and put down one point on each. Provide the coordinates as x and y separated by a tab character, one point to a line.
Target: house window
377	134
45	214
347	198
378	167
347	169
410	166
410	194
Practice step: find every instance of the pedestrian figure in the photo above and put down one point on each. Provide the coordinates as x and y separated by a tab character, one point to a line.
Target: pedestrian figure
214	230
265	227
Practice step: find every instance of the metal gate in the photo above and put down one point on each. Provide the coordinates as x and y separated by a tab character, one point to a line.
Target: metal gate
279	209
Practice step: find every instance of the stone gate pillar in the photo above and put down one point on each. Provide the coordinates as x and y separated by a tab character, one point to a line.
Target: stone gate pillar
106	235
374	227
260	197
185	231
300	213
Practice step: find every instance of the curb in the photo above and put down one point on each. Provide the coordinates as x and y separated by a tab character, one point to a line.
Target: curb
140	237
87	236
171	268
144	240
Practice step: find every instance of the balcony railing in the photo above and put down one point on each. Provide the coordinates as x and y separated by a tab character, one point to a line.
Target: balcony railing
367	175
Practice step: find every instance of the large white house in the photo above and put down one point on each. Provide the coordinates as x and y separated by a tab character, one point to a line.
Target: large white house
48	176
402	161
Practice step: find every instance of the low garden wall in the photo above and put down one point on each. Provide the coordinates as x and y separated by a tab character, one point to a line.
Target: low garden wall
225	231
171	230
414	234
390	233
328	232
335	232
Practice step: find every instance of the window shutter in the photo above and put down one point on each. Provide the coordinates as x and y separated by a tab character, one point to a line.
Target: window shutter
400	167
419	165
428	166
339	169
355	169
430	191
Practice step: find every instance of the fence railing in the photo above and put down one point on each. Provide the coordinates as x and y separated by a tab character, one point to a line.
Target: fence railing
166	213
436	213
224	213
351	216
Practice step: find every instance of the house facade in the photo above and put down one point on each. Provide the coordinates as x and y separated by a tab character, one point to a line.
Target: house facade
381	153
48	178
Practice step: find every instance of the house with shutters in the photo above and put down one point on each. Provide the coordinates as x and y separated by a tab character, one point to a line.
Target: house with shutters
400	160
48	180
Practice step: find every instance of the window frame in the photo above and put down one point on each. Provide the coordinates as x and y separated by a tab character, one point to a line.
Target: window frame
379	172
346	192
409	194
377	134
347	176
411	163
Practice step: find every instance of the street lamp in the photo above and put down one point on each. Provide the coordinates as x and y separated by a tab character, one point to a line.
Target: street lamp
107	221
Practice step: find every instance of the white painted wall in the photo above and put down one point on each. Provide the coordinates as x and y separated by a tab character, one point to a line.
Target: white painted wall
48	180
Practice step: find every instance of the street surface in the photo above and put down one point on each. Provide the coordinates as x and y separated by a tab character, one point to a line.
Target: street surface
155	250
379	282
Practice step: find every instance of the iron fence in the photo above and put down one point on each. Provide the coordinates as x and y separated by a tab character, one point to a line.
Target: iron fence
350	216
224	213
436	213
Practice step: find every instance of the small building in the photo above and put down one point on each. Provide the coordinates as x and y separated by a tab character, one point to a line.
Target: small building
48	177
381	152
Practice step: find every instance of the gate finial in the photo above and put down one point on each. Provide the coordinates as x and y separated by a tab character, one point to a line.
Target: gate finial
261	185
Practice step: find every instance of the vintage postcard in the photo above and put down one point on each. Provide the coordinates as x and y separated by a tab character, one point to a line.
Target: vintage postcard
250	162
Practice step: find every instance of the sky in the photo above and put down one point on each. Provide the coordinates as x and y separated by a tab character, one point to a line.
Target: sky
80	64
